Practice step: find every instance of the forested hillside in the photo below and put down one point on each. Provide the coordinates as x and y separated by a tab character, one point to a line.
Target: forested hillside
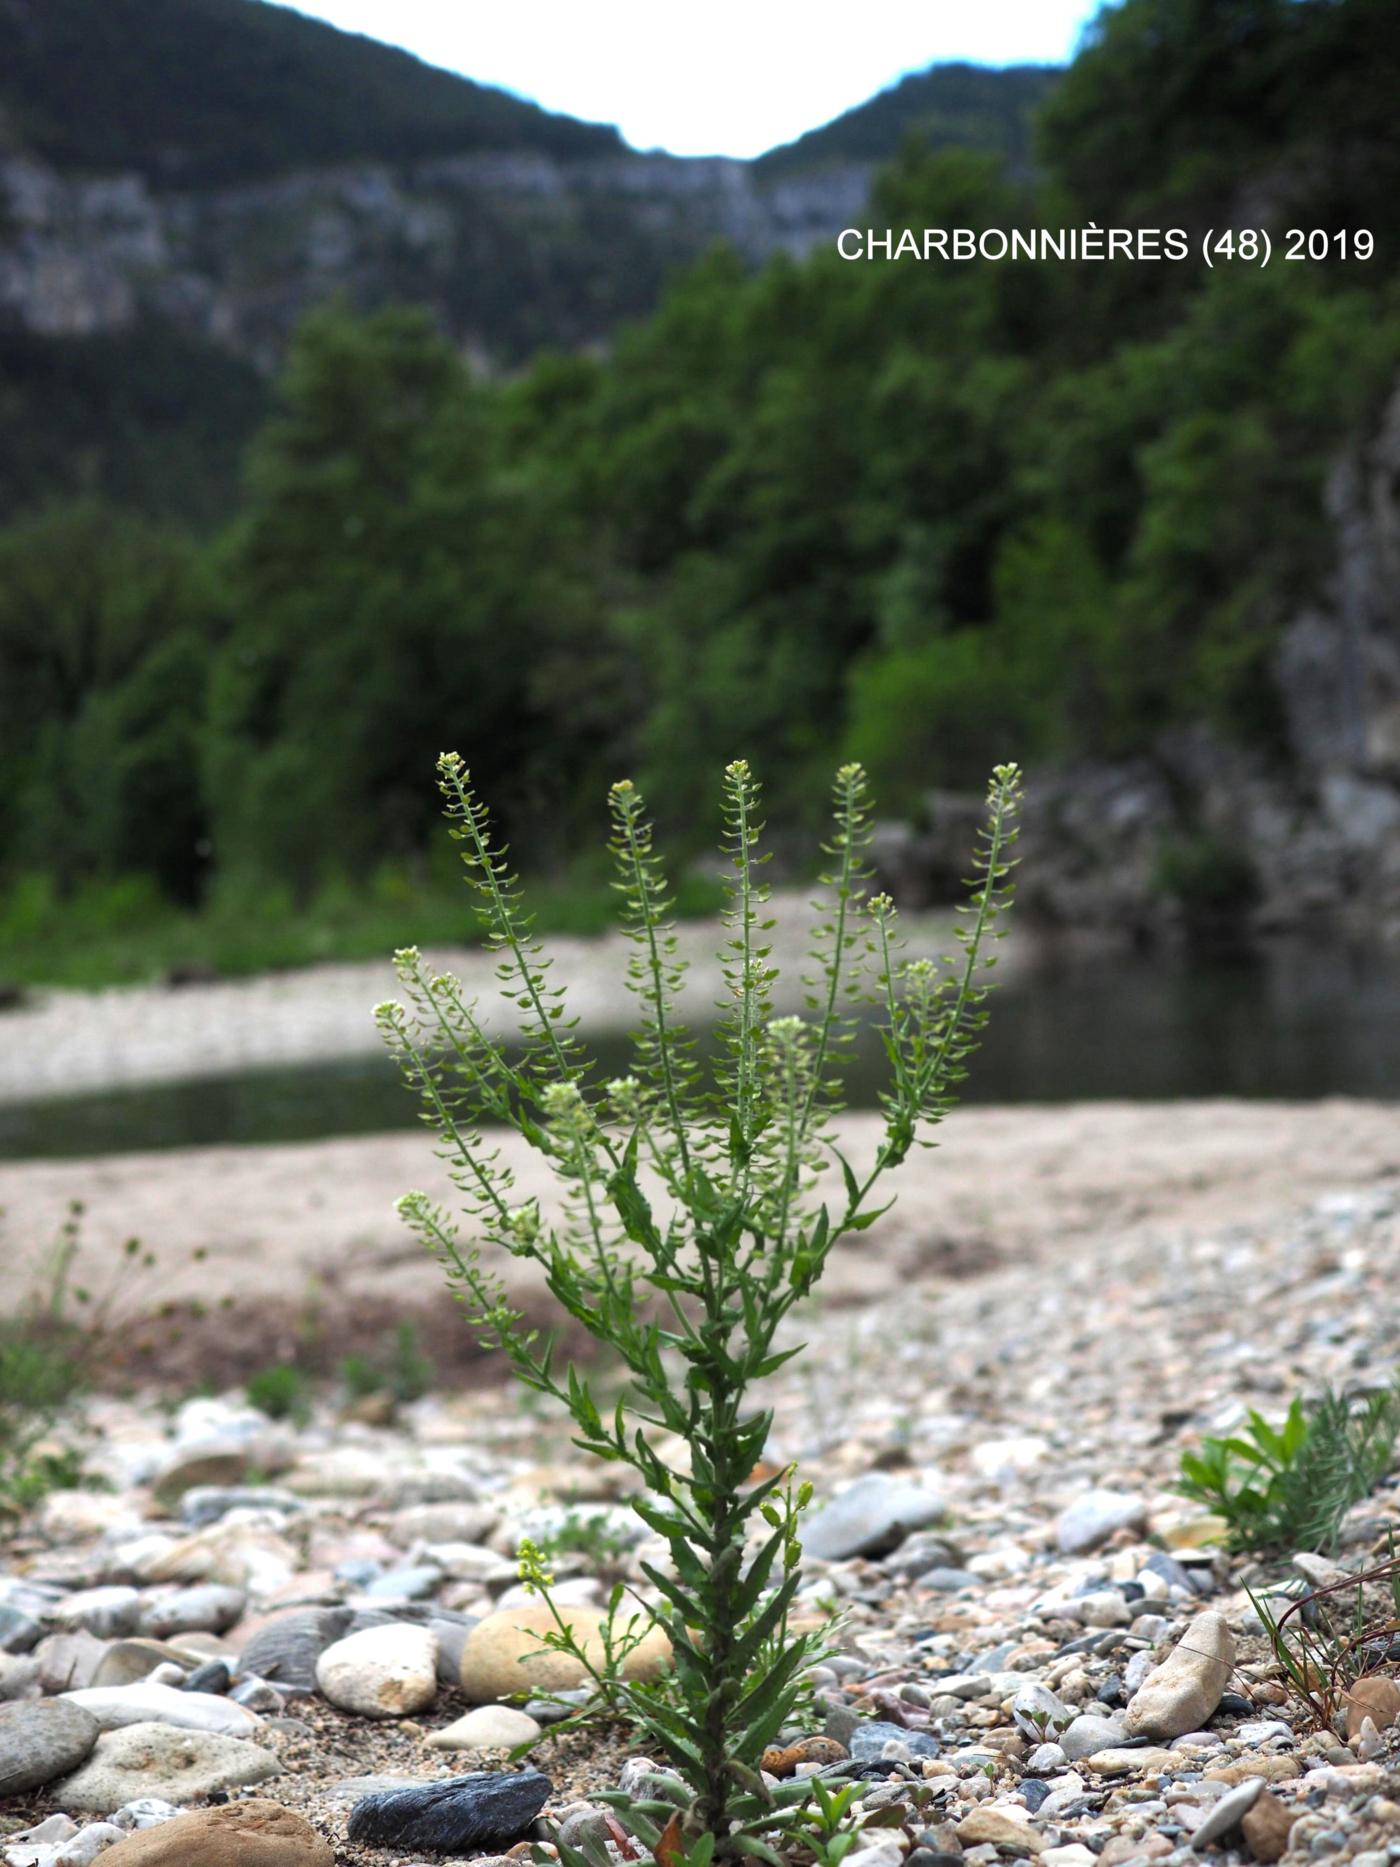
191	92
930	515
973	107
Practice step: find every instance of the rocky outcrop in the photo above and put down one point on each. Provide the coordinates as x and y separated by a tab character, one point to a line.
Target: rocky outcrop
473	236
1310	843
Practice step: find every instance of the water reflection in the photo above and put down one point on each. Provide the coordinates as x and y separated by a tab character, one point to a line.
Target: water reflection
1295	1023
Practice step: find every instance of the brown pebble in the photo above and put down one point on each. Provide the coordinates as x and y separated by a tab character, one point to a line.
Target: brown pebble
1266	1826
1376	1698
779	1762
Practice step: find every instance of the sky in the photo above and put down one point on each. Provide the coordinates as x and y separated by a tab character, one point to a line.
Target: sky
727	77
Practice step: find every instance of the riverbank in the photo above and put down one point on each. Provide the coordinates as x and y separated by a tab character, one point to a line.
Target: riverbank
68	1043
271	1253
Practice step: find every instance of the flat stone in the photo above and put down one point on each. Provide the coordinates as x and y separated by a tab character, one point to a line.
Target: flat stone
143	1760
1089	1734
1266	1826
1003	1828
1094	1517
503	1654
1273	1769
285	1649
19	1632
871	1517
202	1468
1183	1692
107	1612
487	1808
1126	1761
489	1727
868	1740
42	1740
381	1672
210	1608
1228	1813
115	1706
67	1662
442	1523
1036	1711
254	1833
206	1504
129	1662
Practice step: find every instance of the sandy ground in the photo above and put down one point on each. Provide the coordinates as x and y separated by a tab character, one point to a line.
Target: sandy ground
289	1231
67	1042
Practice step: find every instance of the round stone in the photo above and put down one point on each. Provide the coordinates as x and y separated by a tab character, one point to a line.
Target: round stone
489	1727
240	1834
180	1767
40	1741
381	1672
503	1654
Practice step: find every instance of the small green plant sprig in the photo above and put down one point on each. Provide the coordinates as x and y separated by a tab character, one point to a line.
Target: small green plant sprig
1290	1486
691	1224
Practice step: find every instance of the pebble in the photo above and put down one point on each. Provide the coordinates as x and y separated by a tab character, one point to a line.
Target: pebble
142	1760
872	1516
107	1613
503	1654
463	1813
1001	1828
381	1672
210	1609
253	1833
114	1706
488	1727
1228	1812
39	1742
1266	1826
286	1648
1183	1692
1096	1516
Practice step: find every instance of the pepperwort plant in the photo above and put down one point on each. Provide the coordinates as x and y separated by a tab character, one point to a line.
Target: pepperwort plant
690	1224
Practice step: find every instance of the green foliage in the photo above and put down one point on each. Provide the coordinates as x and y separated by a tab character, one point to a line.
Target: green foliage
49	1343
952	106
915	511
261	89
691	1223
1208	877
404	1371
282	1393
1289	1487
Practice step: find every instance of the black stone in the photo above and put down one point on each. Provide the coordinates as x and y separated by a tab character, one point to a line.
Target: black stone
1235	1705
1110	1692
484	1809
1034	1792
212	1676
932	1857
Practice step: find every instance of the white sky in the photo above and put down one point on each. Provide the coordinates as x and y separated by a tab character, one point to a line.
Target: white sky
731	77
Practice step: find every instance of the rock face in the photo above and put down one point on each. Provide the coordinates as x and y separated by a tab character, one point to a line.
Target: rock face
871	1517
502	1654
241	1834
79	255
381	1672
41	1741
462	1814
1183	1692
158	1760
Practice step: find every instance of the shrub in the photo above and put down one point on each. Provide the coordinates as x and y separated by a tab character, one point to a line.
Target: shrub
281	1393
404	1372
1289	1487
691	1222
